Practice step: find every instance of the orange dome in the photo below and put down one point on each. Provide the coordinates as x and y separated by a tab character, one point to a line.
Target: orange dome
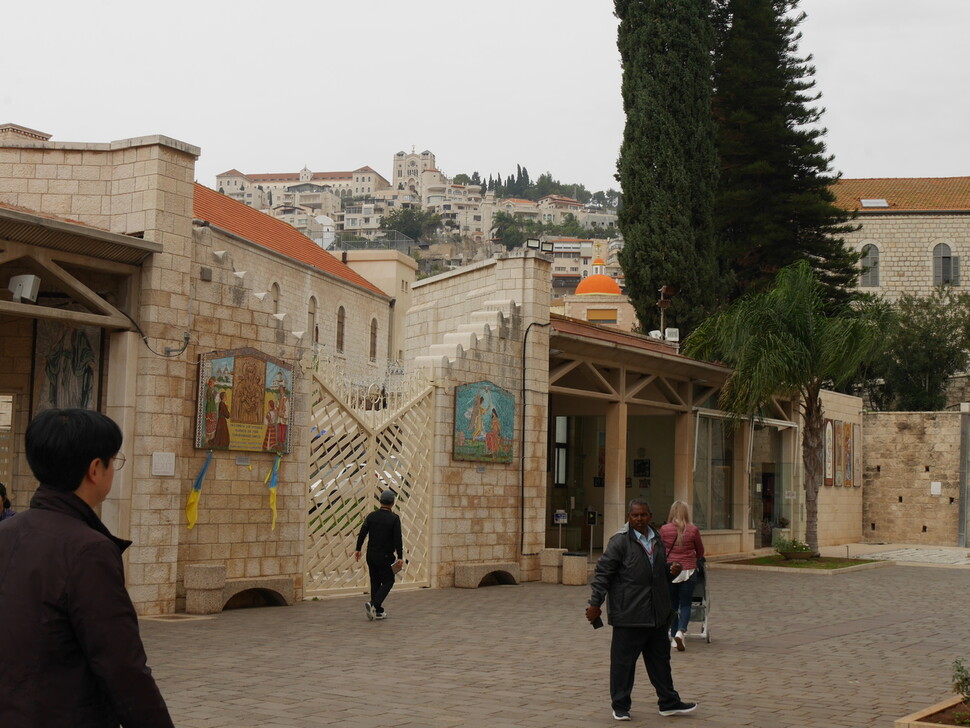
599	284
598	261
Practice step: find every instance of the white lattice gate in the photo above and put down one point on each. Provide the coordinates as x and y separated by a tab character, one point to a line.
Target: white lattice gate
365	438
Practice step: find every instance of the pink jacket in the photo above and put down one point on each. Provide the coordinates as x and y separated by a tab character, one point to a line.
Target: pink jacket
689	551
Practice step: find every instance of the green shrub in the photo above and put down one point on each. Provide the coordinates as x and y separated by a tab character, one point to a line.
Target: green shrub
961	679
781	545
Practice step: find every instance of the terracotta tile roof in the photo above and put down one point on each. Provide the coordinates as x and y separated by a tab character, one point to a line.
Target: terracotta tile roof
904	194
231	173
295	176
265	230
587	330
561	198
519	201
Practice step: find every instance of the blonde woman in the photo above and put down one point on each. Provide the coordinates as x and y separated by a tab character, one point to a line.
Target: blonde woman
683	544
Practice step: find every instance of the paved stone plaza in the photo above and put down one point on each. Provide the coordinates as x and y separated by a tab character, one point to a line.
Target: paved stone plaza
790	651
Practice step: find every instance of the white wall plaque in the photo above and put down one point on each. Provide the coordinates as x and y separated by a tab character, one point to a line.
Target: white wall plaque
163	463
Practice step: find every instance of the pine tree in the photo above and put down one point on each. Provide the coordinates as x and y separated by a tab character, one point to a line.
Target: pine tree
667	165
774	203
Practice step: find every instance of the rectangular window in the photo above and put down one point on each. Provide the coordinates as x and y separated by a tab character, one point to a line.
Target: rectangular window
601	315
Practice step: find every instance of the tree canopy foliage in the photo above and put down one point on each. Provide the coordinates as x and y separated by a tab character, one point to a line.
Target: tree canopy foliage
774	199
925	341
521	185
410	221
668	164
788	340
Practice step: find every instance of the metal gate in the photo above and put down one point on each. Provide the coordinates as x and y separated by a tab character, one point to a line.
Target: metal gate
365	437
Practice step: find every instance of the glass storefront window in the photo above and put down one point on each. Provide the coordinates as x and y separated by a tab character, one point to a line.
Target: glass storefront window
713	462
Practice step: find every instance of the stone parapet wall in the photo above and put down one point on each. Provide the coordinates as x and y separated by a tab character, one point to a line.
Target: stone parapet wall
479	508
840	508
905	453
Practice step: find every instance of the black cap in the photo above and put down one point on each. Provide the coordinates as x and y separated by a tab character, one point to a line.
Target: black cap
387	498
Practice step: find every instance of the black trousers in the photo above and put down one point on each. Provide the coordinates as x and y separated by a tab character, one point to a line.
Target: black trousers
629	643
381	577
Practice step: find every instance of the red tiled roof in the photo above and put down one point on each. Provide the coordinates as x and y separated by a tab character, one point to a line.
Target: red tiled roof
519	201
267	231
904	194
295	176
231	173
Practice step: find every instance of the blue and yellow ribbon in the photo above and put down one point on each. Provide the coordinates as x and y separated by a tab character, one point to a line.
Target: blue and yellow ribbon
272	479
192	504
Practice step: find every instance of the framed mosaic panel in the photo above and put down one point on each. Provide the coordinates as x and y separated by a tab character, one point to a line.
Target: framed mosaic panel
484	423
828	456
243	402
66	368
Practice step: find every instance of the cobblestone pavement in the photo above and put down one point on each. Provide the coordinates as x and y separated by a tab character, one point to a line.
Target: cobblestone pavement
854	650
924	556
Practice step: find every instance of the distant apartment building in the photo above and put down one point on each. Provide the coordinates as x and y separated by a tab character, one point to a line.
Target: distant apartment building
356	201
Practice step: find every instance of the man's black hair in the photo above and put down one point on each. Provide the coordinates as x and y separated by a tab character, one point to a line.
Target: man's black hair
638	502
61	443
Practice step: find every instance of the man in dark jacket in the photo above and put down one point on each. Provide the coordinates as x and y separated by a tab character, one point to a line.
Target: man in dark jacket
382	529
633	575
72	656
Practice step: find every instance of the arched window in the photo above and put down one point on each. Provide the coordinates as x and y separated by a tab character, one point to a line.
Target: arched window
311	320
870	266
373	340
275	295
341	318
945	266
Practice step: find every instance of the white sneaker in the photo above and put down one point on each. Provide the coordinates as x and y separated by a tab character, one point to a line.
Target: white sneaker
679	641
371	612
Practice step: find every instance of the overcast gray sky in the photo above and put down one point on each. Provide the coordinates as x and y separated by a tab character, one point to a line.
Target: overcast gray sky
335	85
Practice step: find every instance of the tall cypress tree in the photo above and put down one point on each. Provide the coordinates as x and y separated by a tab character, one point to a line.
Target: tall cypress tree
775	205
668	165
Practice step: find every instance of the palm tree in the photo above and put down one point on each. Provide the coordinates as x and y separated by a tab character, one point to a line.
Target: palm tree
787	340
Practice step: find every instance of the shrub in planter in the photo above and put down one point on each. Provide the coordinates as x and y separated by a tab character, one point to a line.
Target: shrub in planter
793	549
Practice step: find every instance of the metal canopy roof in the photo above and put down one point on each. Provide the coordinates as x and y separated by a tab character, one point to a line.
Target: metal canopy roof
31	229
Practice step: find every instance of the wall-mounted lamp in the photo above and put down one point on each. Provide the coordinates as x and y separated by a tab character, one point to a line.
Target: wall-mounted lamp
262	295
532	243
547	246
279	316
298	334
240	274
25	286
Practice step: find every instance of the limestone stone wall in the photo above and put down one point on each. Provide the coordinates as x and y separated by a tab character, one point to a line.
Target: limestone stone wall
141	187
234	525
467	326
905	453
144	187
906	243
840	507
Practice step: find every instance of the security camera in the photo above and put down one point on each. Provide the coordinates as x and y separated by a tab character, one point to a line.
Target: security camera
25	286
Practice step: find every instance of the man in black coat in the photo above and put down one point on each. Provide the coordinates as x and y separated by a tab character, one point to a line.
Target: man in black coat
71	655
632	574
382	529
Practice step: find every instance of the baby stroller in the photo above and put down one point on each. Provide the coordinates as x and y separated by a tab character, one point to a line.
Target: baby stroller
700	606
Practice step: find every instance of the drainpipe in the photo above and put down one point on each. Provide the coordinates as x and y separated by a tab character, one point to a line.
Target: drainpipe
525	339
964	454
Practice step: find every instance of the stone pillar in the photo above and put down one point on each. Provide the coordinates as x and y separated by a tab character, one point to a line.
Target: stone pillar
614	496
683	459
204	585
550	560
120	399
575	569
